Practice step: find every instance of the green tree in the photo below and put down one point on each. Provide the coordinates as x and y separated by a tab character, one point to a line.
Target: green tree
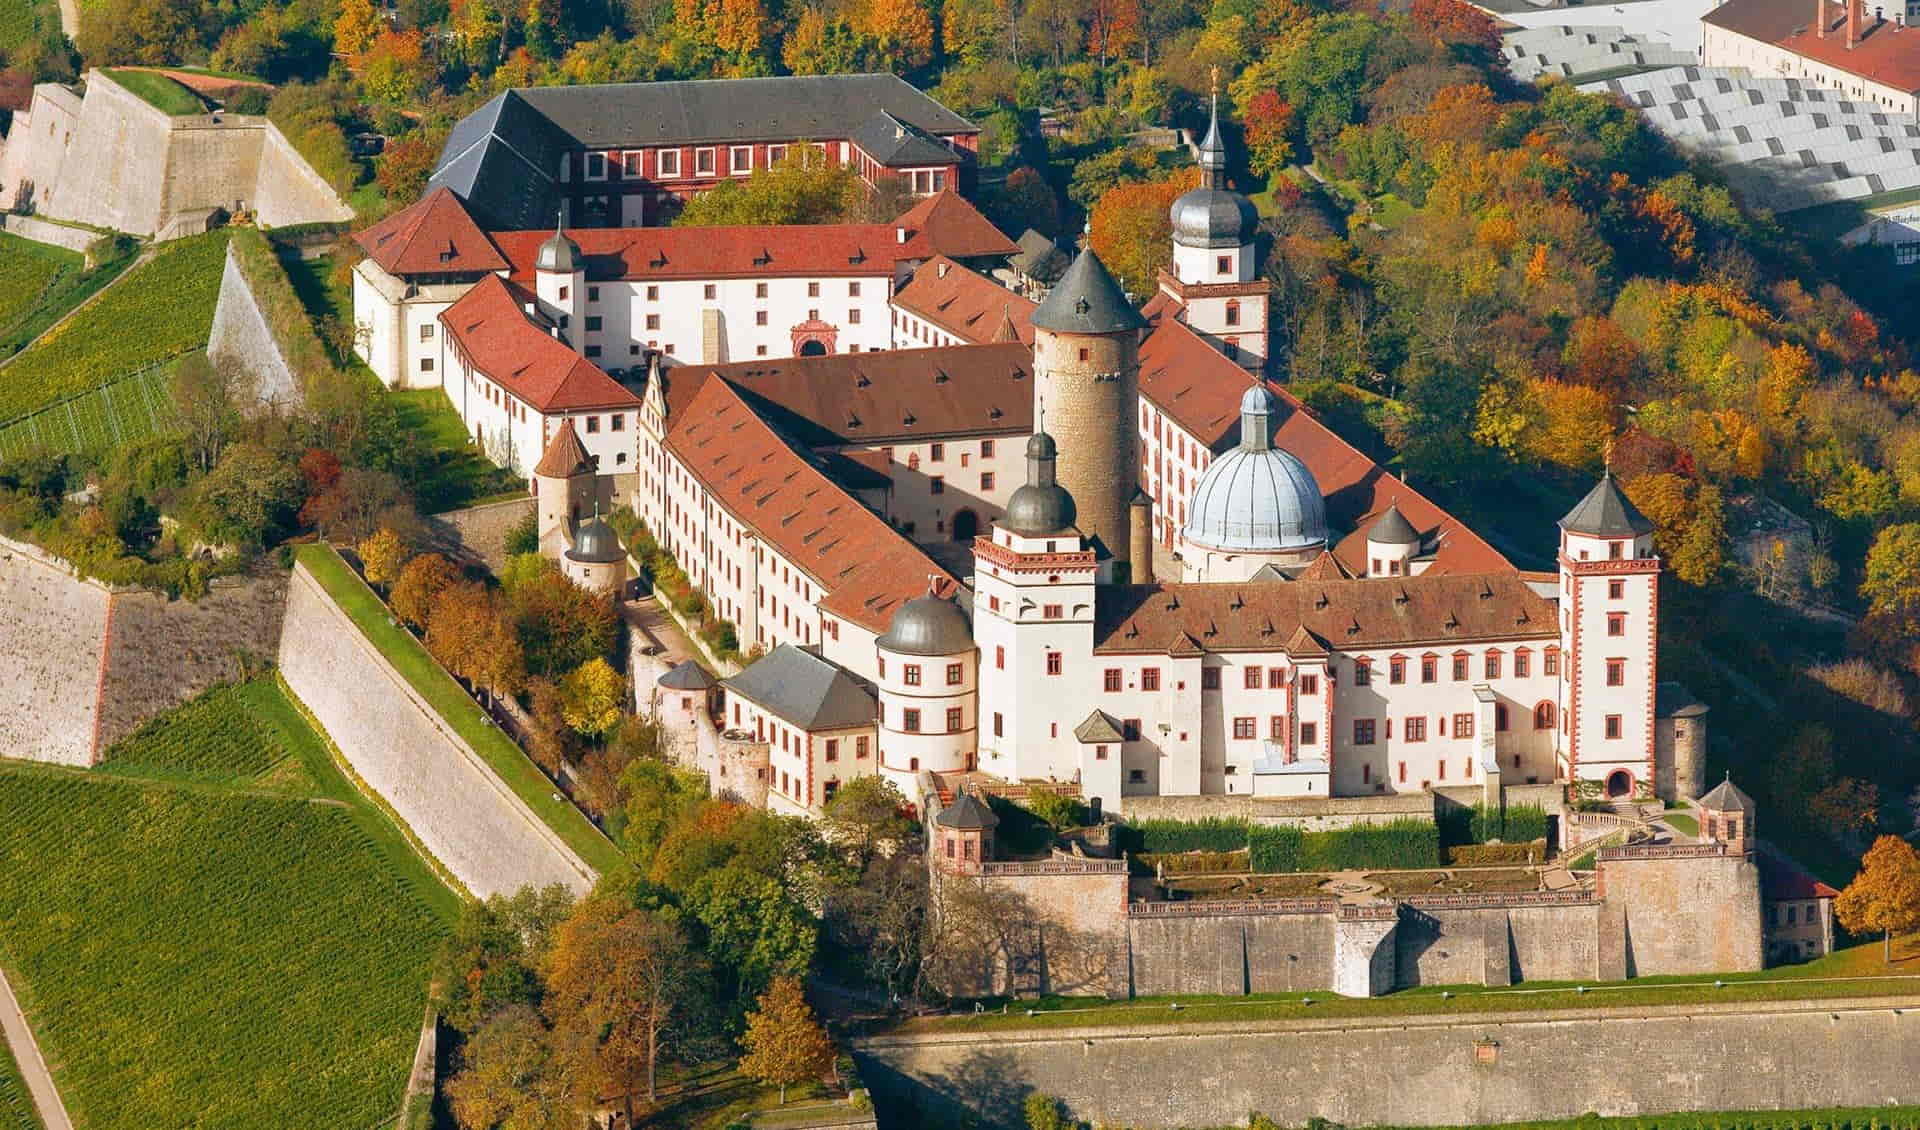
492	959
250	497
1892	577
754	929
1044	1112
784	1041
1057	810
591	696
868	816
802	188
1885	895
209	395
658	796
560	624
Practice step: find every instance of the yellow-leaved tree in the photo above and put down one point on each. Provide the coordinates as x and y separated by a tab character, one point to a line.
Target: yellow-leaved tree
1885	896
591	696
785	1043
383	555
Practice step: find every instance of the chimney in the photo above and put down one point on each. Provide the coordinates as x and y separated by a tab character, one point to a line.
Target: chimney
1820	18
1853	22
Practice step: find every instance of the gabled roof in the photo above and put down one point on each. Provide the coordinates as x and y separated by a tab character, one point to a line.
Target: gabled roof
801	687
688	676
491	327
1325	567
1727	797
1200	390
1886	51
1317	615
895	144
1606	512
1039	257
1098	727
772	251
565	456
967	814
434	235
1087	300
1781	877
946	223
865	566
965	303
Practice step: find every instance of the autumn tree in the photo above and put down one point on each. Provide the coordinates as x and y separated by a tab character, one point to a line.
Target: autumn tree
1885	895
355	29
405	166
899	33
621	983
591	696
382	555
1113	28
1892	577
1270	126
1689	520
1455	22
1849	807
395	69
509	1076
561	624
820	45
468	633
419	583
1131	231
784	1041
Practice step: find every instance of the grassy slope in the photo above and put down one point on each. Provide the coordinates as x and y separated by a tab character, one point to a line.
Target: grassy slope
159	91
458	709
16	1106
28	313
242	952
164	307
26	269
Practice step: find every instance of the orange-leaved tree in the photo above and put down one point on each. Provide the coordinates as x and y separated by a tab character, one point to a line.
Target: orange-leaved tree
784	1042
1885	896
1130	229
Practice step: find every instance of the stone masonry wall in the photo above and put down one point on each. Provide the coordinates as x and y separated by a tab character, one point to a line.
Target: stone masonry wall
462	812
53	630
1230	954
161	652
240	333
48	232
288	190
478	534
1687	915
1413	1070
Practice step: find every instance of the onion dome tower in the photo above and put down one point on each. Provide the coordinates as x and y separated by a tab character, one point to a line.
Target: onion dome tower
1256	505
1086	360
928	689
1215	275
559	274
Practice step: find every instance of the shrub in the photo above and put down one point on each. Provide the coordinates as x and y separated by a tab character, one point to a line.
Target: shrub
1160	836
1196	862
524	536
1519	823
1398	844
1276	848
1057	810
1491	855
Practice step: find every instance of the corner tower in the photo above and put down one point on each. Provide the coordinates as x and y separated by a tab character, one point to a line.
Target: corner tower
1609	628
1086	361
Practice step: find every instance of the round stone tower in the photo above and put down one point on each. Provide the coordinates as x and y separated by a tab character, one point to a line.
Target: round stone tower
928	687
1086	361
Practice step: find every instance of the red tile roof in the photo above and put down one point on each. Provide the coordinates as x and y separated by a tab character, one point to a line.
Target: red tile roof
902	394
1200	389
1782	878
434	235
489	325
1433	611
1886	53
866	567
947	224
965	303
565	456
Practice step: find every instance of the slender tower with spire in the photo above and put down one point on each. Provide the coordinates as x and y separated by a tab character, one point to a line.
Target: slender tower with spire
1215	275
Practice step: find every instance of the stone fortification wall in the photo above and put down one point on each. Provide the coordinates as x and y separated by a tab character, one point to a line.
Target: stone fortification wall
53	631
46	231
471	822
478	534
1413	1070
287	189
241	333
1685	913
112	170
1311	813
1230	954
36	146
162	652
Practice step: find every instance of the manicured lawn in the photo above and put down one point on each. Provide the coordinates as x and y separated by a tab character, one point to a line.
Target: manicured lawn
456	707
1853	972
1682	823
195	953
159	91
16	1105
458	474
163	308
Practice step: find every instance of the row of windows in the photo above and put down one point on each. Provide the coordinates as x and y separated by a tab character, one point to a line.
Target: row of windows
910	719
1490	667
1246	728
910	672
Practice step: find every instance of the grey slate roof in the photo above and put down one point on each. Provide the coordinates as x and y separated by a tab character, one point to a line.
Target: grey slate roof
1392	528
1098	727
810	692
1606	513
1039	258
1674	700
1086	300
897	144
501	160
967	814
612	115
928	625
688	676
1727	797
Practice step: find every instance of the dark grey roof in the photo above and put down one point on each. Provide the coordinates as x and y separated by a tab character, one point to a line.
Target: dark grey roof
501	160
967	814
1036	509
1039	257
595	543
1674	700
1727	797
1086	300
688	676
560	254
1392	528
928	625
781	108
1606	513
896	144
806	690
1213	217
1098	727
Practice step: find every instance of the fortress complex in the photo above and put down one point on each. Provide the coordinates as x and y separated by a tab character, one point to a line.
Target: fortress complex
1077	541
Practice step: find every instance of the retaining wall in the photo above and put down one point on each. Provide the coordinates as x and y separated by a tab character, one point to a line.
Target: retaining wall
460	810
1414	1070
242	333
48	232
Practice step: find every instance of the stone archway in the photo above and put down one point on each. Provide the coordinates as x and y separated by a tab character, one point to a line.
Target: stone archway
812	349
815	338
966	525
1619	784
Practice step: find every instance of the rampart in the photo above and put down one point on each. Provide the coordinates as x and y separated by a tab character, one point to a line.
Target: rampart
242	333
113	160
461	811
83	664
1412	1070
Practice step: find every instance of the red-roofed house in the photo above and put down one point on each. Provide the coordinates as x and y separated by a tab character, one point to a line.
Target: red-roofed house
419	261
945	303
1845	47
1798	909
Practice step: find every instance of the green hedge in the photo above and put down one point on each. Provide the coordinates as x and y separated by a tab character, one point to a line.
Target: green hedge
1492	855
1399	844
1274	849
1160	836
1523	822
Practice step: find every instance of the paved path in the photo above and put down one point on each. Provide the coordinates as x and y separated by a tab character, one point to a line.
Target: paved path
33	1068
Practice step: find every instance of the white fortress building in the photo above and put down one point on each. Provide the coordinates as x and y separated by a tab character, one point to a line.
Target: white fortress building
1074	542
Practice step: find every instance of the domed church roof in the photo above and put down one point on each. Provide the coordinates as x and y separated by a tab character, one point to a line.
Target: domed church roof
1213	215
928	625
1257	498
1041	505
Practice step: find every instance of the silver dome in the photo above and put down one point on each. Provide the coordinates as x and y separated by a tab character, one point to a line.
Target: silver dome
1213	217
1257	498
928	625
595	543
558	254
1035	510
